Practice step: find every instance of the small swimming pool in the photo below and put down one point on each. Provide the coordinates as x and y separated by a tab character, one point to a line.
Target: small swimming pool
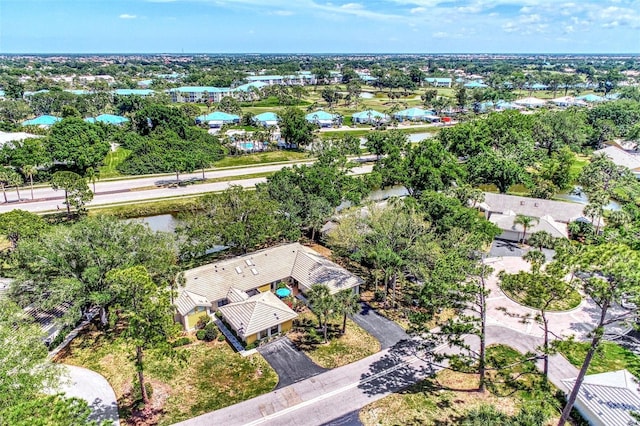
283	292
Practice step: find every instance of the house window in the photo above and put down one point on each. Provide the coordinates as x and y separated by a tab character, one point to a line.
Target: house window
262	334
274	330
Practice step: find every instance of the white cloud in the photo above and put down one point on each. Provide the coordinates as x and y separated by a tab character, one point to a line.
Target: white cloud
418	10
440	34
282	13
127	16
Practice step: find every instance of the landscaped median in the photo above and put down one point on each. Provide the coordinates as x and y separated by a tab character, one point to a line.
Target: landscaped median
609	357
200	376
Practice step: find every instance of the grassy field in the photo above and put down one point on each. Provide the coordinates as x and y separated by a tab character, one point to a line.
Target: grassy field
610	357
446	398
203	377
262	158
341	350
113	159
565	304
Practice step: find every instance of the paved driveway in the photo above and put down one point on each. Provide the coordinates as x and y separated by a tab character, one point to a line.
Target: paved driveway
93	388
386	331
291	364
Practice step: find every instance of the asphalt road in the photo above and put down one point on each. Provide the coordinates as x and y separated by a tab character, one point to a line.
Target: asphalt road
141	189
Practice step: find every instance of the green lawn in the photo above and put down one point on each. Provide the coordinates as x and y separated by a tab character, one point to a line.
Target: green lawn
446	398
261	158
201	378
610	357
341	350
565	304
113	159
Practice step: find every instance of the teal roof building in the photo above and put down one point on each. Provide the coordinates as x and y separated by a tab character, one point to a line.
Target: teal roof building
107	119
591	98
134	92
248	86
475	85
218	118
266	119
322	118
369	116
43	120
413	114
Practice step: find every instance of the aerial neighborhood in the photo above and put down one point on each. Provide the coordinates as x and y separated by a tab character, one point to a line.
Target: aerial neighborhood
401	238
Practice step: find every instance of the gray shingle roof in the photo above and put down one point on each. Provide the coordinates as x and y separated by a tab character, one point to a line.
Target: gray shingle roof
560	211
188	300
609	397
257	313
213	281
544	223
621	157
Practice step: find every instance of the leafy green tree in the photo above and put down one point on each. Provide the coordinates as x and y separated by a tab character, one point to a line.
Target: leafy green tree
229	105
347	303
13	88
431	168
239	219
48	410
294	127
496	168
15	180
14	111
25	371
76	190
322	304
603	175
148	313
17	224
70	264
92	175
77	143
154	118
611	276
541	239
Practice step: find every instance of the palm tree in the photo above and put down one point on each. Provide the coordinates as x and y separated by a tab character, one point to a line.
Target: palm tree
323	304
30	171
4	181
347	303
16	180
92	176
541	239
526	222
536	258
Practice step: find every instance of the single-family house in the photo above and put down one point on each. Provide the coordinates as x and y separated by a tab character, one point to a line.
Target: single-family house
438	81
622	158
416	114
608	399
551	216
8	137
568	101
475	85
266	119
530	102
241	288
322	118
591	98
369	116
218	119
42	121
108	119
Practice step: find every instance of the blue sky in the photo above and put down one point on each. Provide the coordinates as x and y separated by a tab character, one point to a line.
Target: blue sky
316	26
